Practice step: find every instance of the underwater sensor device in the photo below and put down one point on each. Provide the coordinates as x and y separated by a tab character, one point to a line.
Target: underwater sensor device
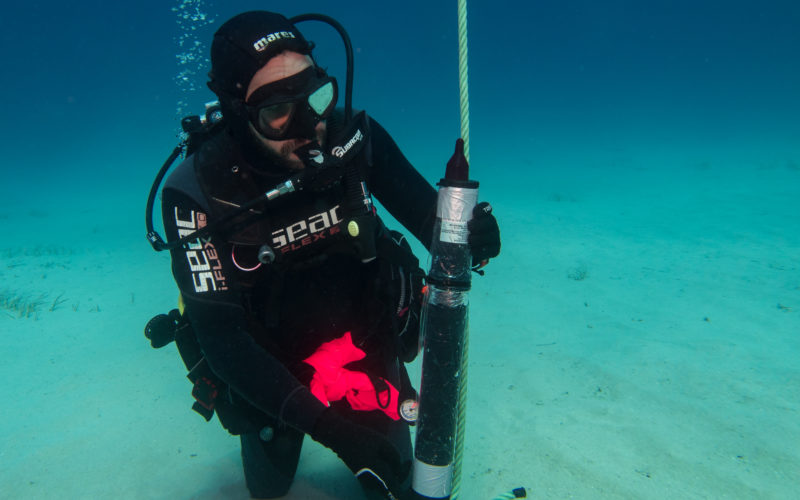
444	327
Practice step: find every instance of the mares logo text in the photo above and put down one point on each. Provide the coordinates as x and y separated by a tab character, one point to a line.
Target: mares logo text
261	44
202	256
307	231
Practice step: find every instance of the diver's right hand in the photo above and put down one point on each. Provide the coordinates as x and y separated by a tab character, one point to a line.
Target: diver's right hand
372	458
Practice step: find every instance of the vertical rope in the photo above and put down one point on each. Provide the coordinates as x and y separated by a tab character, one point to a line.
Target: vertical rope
463	87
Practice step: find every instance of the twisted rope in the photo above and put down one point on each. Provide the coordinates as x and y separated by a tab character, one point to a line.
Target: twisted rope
463	87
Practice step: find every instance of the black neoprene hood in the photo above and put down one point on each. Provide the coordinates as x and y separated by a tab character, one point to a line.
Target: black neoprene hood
244	44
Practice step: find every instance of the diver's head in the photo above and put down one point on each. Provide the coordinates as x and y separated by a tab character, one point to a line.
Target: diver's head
287	102
274	96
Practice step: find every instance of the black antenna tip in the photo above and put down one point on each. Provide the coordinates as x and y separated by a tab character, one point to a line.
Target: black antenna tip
457	167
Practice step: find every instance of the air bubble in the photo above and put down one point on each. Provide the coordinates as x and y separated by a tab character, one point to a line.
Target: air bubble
191	17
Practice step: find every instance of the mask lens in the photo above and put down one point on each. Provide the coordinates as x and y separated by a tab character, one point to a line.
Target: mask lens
275	117
321	99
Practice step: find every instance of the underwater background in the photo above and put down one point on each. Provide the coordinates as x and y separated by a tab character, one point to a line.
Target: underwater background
637	337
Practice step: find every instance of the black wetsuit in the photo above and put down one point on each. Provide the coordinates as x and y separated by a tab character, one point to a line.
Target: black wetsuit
256	323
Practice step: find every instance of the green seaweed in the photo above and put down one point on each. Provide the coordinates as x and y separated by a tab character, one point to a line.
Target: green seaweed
20	304
57	302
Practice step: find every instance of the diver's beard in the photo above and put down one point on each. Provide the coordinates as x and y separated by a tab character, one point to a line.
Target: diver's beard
284	158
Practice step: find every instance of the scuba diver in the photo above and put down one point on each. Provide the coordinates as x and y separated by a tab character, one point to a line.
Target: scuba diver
299	307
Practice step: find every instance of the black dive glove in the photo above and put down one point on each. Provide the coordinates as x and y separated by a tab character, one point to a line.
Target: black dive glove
372	458
484	234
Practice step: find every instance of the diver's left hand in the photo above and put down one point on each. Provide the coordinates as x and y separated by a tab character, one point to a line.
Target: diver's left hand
484	235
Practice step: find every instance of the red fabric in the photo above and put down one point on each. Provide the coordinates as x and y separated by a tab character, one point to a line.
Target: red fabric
332	381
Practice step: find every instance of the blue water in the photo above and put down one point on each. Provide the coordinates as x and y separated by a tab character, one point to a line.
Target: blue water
659	134
93	78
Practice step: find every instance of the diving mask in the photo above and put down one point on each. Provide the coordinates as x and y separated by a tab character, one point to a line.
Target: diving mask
293	106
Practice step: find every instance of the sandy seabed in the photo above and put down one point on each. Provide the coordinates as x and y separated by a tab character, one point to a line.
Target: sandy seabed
639	337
